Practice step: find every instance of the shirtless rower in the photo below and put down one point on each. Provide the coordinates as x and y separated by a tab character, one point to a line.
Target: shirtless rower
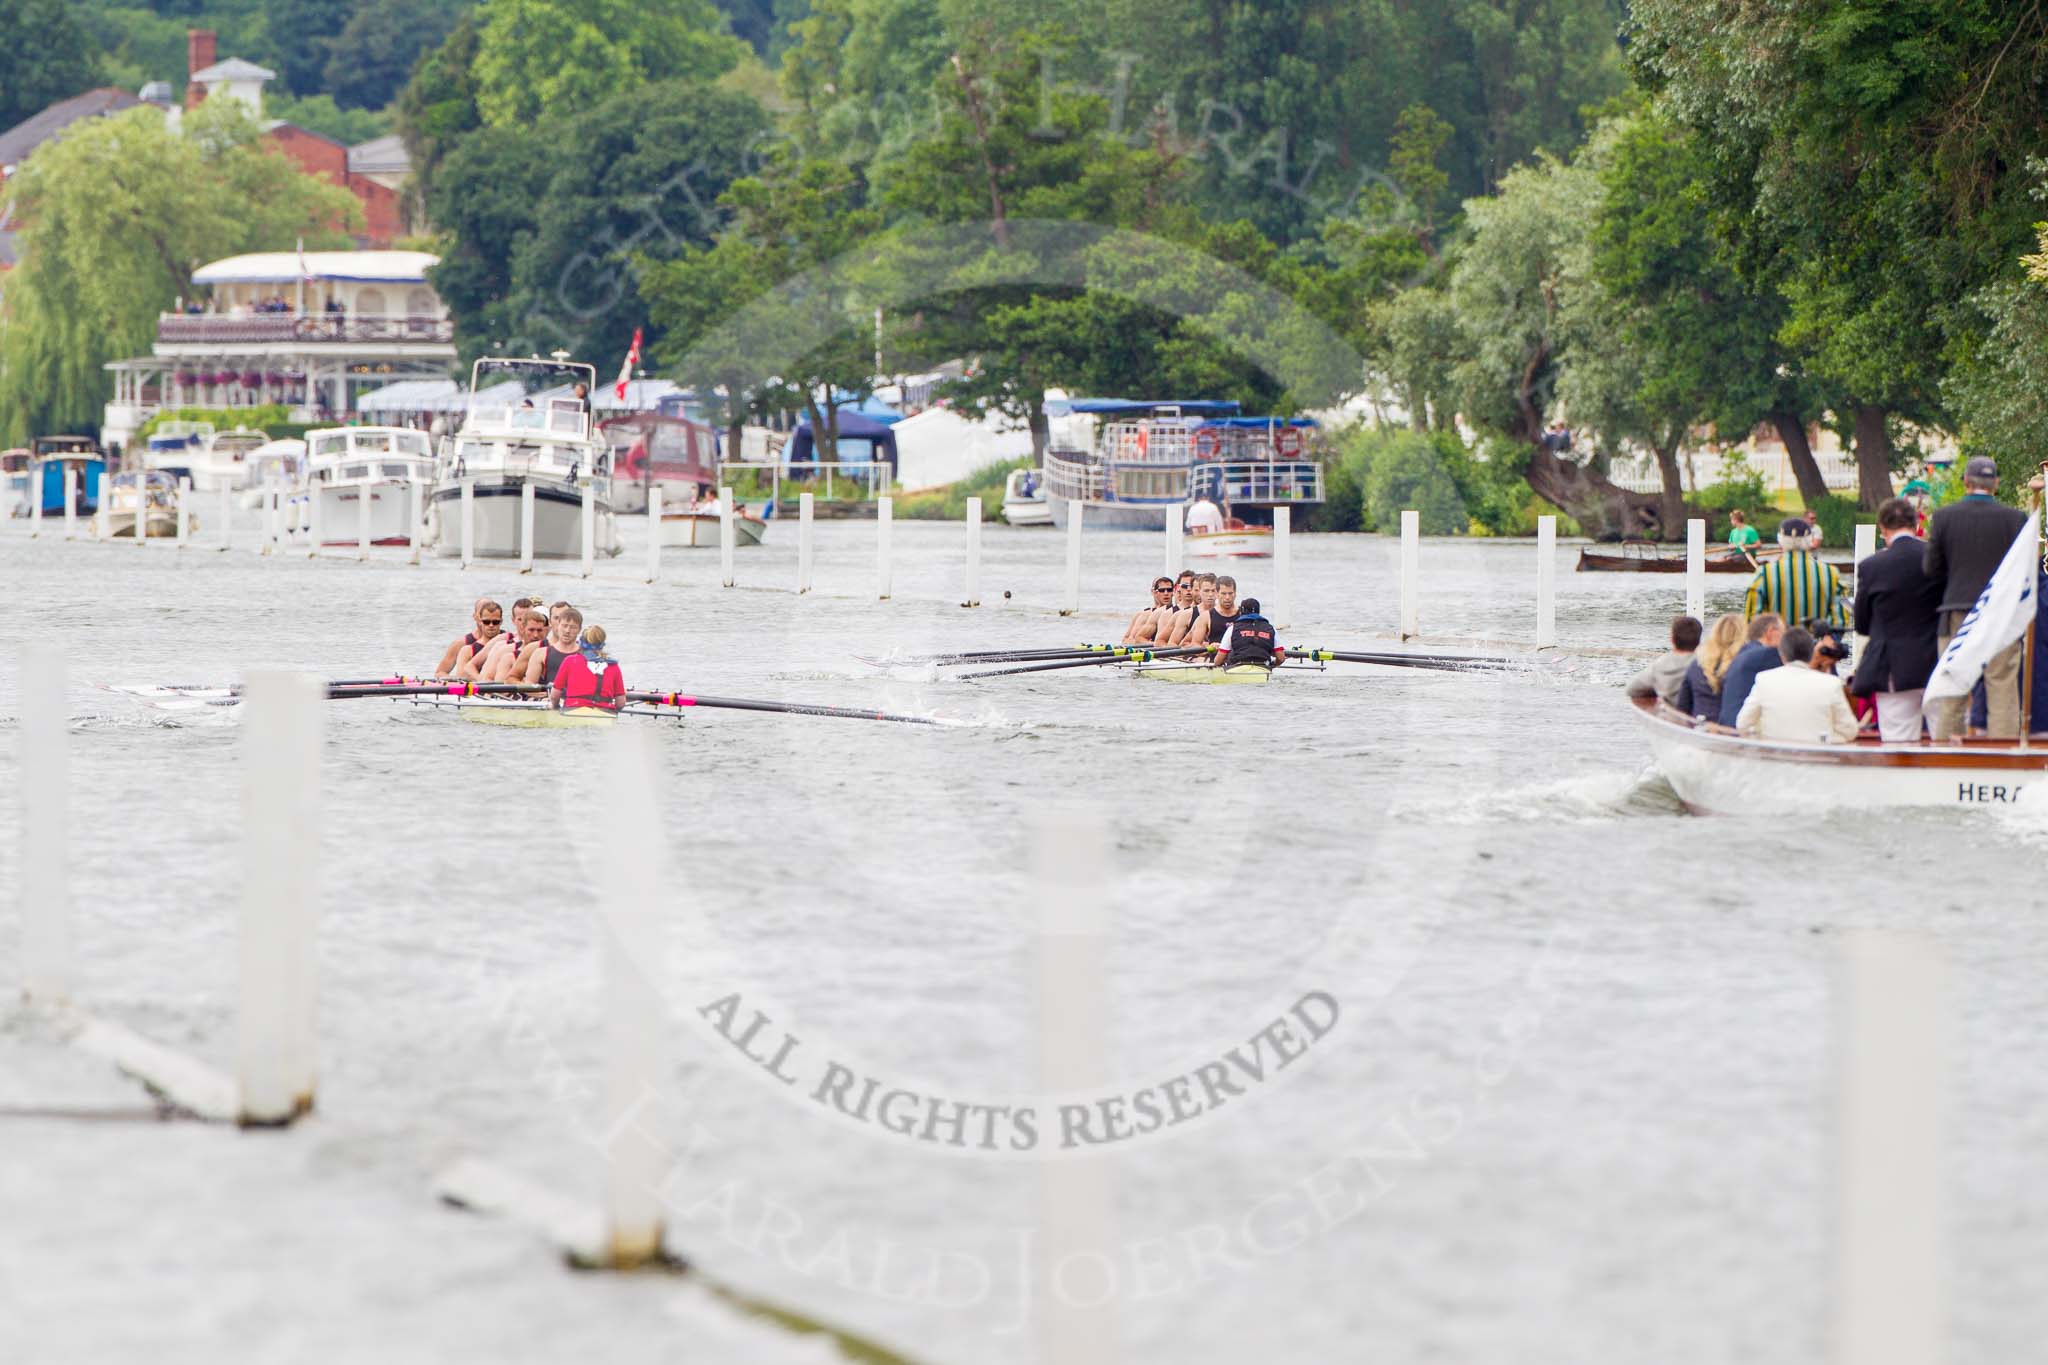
1217	616
538	667
1186	607
487	620
1144	627
491	664
511	665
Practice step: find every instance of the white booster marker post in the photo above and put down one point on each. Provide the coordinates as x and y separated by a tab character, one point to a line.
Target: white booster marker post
269	545
1176	550
416	519
1283	566
1411	571
1696	568
1866	545
1546	582
628	918
227	517
35	502
526	527
806	509
973	553
468	522
1076	1276
102	509
47	972
365	497
588	512
282	716
1892	1038
725	534
314	532
184	511
654	533
885	520
1070	591
71	503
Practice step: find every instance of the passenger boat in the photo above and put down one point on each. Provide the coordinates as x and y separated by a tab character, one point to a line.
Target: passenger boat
1237	541
346	465
213	460
1024	499
1646	556
49	457
699	528
1724	774
151	493
524	429
655	450
1148	461
14	480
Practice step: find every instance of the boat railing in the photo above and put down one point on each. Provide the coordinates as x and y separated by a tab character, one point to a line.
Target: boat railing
1258	481
200	328
559	418
1075	476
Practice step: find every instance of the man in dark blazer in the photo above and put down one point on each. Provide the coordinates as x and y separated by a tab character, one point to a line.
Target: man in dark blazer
1966	543
1898	609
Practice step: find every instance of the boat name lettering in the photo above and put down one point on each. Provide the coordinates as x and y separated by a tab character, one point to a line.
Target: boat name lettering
1985	793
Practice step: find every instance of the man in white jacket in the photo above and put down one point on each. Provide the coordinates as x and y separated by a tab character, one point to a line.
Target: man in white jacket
1795	704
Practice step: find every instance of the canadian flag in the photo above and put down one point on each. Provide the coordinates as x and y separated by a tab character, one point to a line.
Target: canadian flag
626	370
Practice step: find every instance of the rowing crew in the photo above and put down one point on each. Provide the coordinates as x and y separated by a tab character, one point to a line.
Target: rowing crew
547	647
1202	610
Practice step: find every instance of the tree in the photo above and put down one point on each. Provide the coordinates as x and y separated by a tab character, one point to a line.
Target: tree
302	36
567	56
46	57
114	215
373	56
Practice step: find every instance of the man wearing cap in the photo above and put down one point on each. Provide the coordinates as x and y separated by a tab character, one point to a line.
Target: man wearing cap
1966	543
1797	585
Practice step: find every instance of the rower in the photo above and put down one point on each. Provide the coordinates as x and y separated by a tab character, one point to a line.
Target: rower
588	679
1180	619
1216	618
1251	639
492	663
511	665
565	625
1144	627
486	621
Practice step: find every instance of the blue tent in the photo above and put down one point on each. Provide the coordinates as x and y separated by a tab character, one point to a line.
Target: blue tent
854	431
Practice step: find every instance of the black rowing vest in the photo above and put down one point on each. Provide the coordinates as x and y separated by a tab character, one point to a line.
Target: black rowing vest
552	666
1252	639
1218	625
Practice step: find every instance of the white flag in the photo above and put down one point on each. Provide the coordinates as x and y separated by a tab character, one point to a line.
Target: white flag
2003	612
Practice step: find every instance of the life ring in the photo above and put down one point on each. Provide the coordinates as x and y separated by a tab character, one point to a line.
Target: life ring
1287	442
1208	442
1131	444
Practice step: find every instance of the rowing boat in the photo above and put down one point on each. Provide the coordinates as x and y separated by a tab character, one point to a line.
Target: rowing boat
1203	673
1642	556
530	715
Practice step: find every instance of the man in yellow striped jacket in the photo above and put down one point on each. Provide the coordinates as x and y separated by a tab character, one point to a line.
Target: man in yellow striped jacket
1797	585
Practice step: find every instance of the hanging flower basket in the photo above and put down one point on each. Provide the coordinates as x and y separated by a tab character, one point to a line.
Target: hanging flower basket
251	379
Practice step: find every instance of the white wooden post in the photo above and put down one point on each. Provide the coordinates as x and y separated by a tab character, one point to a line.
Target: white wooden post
804	512
526	526
1696	569
314	532
1411	571
1546	582
227	517
184	511
589	514
270	514
35	502
44	785
654	533
416	511
468	522
1283	566
973	553
280	753
885	520
635	1153
365	498
102	508
1891	1273
725	535
70	502
1176	552
1070	593
1866	545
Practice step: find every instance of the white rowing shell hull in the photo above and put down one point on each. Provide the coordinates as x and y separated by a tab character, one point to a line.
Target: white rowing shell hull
1728	775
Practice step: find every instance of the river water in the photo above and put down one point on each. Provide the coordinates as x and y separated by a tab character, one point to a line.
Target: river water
1561	1078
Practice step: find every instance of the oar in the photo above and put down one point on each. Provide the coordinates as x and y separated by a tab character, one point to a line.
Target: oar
1004	656
1121	656
1455	663
346	692
780	707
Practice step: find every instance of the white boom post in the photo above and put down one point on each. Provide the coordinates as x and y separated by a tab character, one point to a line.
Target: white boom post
526	526
102	509
280	753
636	1155
35	503
1070	593
1866	545
468	522
184	511
1891	1273
227	517
416	512
589	514
1696	568
973	553
805	510
725	534
315	533
885	520
1283	566
654	533
1411	571
70	502
269	545
1176	550
47	969
365	498
1546	582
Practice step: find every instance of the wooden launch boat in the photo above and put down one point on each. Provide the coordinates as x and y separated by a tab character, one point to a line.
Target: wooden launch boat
1648	556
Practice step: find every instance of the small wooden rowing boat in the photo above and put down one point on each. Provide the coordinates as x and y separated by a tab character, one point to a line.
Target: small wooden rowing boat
1203	673
1644	556
700	530
1724	774
1232	542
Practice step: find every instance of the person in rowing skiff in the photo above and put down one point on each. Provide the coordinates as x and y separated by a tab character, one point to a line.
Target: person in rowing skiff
540	666
495	661
510	665
486	619
588	679
1250	639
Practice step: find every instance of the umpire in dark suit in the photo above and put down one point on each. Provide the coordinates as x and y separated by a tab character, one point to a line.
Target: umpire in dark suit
1966	543
1898	609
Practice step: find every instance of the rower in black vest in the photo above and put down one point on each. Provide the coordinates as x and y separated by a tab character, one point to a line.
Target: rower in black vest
1253	639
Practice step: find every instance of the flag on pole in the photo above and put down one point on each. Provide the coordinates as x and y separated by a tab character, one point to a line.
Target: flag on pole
626	370
2003	612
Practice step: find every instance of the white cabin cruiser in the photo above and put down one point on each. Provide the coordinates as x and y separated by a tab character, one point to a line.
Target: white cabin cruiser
146	496
213	460
346	466
526	428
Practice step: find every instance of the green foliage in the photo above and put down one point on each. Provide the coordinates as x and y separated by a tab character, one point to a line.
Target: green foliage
303	34
949	503
373	56
1343	507
113	216
45	56
559	57
1739	486
319	114
1407	470
1836	518
272	419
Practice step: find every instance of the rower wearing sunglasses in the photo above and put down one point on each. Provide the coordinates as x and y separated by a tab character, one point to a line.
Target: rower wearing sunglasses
487	620
1145	626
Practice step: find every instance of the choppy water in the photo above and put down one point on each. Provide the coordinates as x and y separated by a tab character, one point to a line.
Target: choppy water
1575	1107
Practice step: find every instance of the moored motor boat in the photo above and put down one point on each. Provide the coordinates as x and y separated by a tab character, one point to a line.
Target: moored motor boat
1024	499
1725	774
154	493
14	466
699	529
1234	541
1646	556
347	466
